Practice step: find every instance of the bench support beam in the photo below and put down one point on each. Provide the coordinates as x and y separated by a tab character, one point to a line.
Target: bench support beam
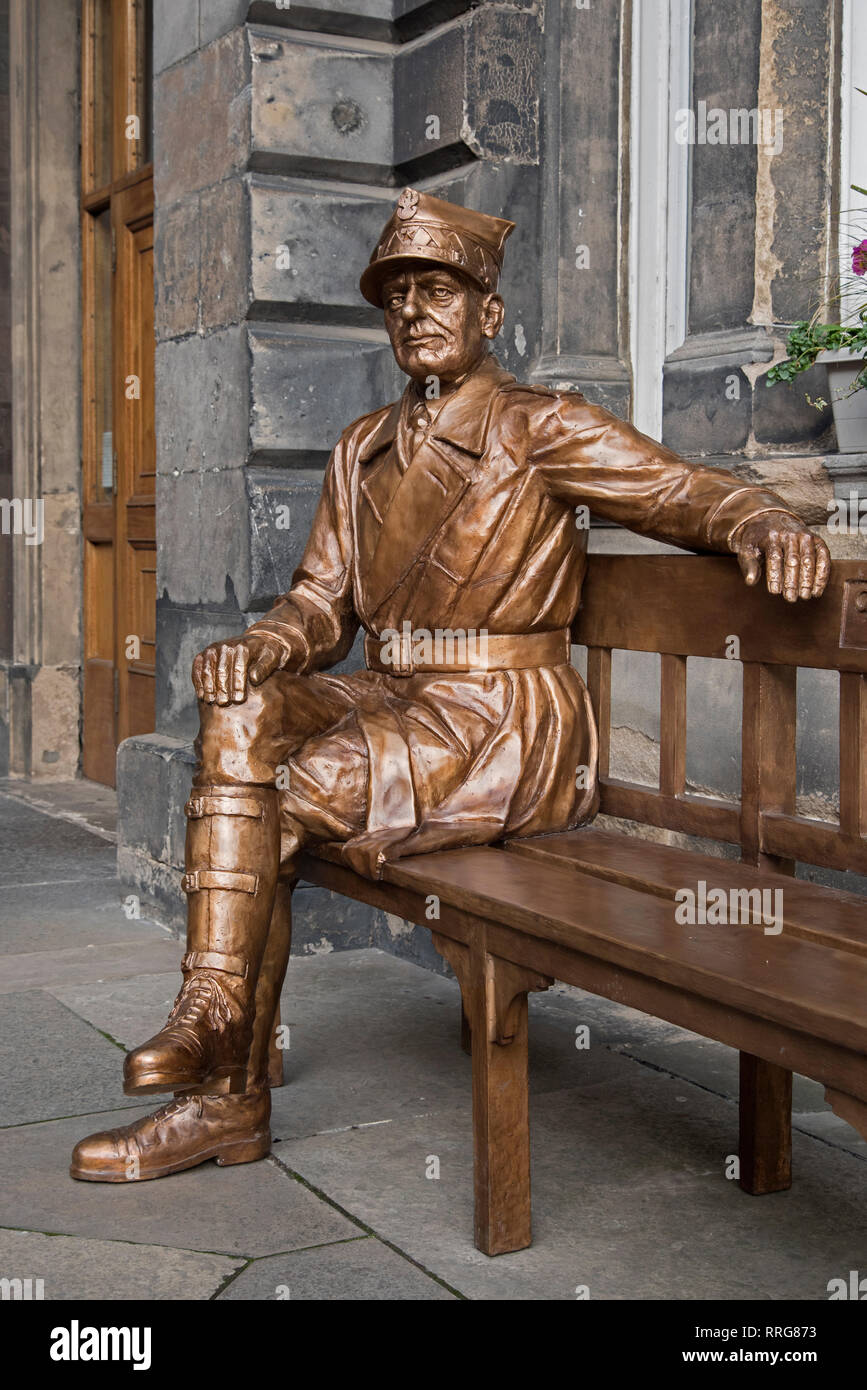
494	994
766	1126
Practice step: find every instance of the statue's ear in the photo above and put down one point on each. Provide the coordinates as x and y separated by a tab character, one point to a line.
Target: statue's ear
493	311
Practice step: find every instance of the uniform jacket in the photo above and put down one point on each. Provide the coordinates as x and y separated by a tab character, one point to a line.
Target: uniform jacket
477	531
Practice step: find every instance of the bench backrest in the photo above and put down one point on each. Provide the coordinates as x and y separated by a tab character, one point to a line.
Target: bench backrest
683	606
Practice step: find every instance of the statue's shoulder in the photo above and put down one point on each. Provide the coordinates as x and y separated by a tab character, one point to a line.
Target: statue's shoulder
523	394
364	432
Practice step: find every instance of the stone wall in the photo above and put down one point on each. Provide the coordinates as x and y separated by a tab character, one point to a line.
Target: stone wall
40	667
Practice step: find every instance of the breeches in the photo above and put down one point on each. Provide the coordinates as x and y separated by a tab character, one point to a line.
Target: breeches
296	733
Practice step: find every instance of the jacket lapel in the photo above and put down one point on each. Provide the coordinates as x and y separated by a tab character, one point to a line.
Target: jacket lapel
432	485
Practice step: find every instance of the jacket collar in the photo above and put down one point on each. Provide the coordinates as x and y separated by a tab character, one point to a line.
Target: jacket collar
462	420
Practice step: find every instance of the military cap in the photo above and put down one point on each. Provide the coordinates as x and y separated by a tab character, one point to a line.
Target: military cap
429	229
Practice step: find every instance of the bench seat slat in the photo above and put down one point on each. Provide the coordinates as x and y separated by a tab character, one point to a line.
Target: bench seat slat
811	911
807	987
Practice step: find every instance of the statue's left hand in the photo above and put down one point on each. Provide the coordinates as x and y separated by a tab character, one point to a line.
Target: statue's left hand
797	562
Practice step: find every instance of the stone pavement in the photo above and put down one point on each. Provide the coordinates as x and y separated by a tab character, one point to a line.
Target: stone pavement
631	1136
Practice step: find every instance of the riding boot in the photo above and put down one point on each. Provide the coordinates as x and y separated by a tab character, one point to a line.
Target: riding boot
232	860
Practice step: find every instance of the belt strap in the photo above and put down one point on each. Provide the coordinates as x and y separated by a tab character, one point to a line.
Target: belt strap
214	960
199	806
219	878
482	652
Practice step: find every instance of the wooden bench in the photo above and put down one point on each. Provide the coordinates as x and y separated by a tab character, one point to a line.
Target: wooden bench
596	909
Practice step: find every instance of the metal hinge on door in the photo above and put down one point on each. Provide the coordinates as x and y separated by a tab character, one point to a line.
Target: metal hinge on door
116	690
113	250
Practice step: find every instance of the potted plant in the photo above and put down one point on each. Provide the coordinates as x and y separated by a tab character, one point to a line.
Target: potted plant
842	349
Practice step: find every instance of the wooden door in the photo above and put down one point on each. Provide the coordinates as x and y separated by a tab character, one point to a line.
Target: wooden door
135	500
119	538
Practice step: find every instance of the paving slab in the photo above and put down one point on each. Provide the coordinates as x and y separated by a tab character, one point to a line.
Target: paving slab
53	1063
56	916
48	850
85	803
247	1209
90	964
75	1269
372	1037
362	1270
130	1008
630	1199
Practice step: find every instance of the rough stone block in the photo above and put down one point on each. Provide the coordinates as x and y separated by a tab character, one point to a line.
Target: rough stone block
583	318
281	507
177	269
61	568
503	65
202	519
480	79
224	234
202	403
154	773
430	85
371	19
176	31
218	16
699	416
802	61
783	415
726	52
203	134
183	630
310	249
318	107
55	711
307	389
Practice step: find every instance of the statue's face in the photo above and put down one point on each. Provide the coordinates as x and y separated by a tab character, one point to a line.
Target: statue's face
439	324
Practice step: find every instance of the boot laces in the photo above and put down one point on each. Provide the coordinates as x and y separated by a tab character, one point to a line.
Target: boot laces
201	997
173	1107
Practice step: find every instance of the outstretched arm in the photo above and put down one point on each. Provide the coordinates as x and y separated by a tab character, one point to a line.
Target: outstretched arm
588	456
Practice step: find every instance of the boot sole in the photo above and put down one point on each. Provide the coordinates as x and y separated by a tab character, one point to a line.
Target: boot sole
243	1151
225	1081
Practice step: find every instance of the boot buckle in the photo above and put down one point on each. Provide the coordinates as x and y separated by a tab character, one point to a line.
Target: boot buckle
197	879
215	960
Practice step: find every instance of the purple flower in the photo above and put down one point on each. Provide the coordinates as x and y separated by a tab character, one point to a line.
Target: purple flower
859	258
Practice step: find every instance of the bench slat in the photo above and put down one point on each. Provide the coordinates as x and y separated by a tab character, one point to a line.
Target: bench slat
807	987
688	605
811	912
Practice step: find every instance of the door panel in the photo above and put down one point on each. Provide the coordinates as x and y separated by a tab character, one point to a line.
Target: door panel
118	455
136	460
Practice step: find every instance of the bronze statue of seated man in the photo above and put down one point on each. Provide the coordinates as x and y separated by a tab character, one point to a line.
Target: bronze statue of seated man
447	530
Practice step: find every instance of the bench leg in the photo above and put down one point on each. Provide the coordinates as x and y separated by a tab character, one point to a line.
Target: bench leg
766	1126
266	1058
849	1108
466	1032
494	994
501	1125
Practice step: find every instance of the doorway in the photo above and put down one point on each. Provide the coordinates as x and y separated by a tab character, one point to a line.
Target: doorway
118	455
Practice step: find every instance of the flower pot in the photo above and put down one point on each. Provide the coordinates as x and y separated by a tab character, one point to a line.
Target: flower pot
850	410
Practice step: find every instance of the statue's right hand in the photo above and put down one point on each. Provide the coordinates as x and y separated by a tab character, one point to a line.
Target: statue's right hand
223	671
